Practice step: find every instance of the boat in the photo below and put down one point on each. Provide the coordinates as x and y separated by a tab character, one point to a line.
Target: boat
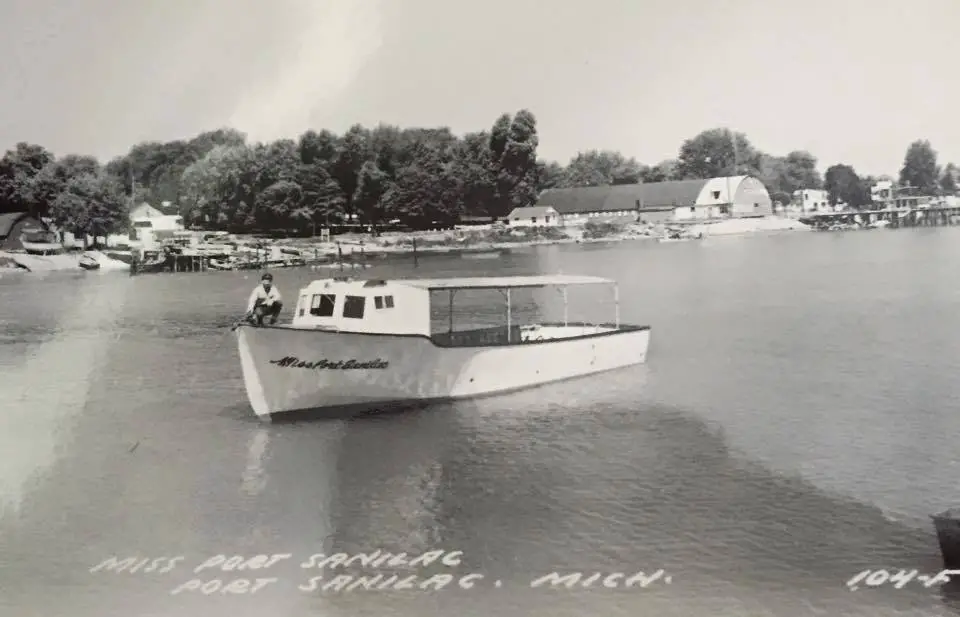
89	262
221	264
673	234
31	246
343	265
152	262
369	343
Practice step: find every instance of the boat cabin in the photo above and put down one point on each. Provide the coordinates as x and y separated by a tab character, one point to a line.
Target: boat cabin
364	306
402	307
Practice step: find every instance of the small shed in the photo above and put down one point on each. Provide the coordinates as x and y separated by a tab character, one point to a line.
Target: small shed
15	224
534	216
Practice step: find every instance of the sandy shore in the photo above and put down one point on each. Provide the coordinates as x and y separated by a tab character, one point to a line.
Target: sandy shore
465	240
22	262
477	239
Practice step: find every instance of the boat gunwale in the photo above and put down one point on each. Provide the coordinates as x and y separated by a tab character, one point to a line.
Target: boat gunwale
616	329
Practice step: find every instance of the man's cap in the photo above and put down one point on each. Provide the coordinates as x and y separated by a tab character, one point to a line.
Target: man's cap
266	277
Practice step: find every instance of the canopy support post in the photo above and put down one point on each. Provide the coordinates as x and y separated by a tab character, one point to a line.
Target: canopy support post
565	307
450	316
509	316
616	302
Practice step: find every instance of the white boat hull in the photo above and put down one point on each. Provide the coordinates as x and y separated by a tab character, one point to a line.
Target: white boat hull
293	369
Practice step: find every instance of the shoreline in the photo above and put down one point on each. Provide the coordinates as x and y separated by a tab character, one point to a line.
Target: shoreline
445	243
25	263
351	248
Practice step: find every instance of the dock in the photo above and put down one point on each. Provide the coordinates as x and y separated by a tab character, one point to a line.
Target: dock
933	216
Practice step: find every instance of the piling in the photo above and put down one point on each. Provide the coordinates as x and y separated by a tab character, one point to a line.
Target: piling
415	261
947	524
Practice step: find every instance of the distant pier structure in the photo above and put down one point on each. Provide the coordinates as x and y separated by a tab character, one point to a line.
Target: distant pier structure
931	216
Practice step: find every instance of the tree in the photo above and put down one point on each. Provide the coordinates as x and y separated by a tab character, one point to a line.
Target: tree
948	180
663	171
19	169
317	148
800	168
322	200
843	185
277	204
425	191
920	168
549	175
220	189
601	168
372	185
513	158
352	151
716	153
54	177
91	204
472	163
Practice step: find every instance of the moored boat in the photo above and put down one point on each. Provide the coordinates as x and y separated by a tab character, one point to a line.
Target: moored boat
88	262
370	342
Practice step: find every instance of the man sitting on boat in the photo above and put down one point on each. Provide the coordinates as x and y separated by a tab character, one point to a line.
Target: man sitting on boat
264	302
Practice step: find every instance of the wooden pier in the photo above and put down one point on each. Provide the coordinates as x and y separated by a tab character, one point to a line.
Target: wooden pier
934	216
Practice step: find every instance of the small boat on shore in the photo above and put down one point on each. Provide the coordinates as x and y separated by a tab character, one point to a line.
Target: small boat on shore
88	262
358	343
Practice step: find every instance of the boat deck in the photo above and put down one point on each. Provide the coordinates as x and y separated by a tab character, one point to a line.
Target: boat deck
498	335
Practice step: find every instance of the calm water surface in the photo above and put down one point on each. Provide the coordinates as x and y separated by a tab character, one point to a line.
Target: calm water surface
796	423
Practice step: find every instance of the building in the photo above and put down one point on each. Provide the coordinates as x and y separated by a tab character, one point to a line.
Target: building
534	216
812	200
886	195
658	202
16	224
146	221
881	193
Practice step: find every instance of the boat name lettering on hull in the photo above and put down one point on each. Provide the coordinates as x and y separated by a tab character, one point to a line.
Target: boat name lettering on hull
324	364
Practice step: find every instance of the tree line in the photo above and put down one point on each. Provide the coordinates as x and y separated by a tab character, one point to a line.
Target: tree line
386	175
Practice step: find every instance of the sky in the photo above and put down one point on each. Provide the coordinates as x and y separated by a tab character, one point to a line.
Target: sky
851	81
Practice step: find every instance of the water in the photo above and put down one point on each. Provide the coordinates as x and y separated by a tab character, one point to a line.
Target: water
795	424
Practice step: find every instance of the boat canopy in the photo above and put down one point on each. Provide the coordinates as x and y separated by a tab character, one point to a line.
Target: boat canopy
505	282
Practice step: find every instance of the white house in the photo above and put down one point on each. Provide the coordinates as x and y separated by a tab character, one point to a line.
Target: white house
534	216
881	193
812	200
145	220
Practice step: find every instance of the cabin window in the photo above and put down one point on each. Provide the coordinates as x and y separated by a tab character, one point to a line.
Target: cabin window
388	301
322	305
378	302
353	307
